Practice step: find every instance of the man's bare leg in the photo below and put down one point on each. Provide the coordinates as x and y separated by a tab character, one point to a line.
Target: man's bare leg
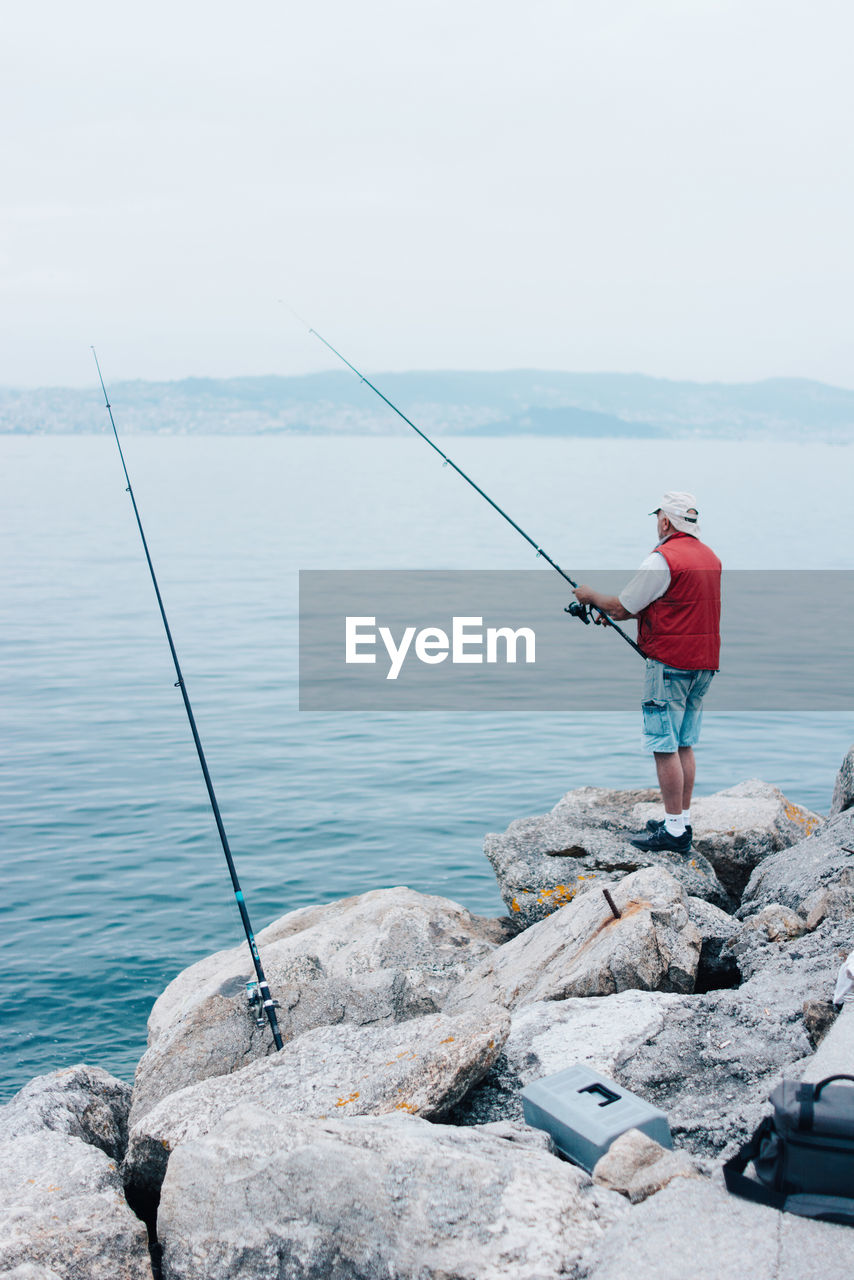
689	772
673	833
671	778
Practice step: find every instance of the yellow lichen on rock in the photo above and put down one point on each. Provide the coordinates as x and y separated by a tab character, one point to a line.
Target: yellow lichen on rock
795	813
556	897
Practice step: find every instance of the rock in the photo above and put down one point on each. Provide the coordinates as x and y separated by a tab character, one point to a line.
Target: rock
738	828
708	1061
843	789
516	1131
819	1017
716	1057
63	1210
824	860
542	863
637	1166
83	1102
772	925
716	968
31	1271
777	923
375	959
421	1067
394	1197
583	950
694	1228
836	903
551	1035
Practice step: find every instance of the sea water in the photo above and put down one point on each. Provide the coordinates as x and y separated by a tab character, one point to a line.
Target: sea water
113	876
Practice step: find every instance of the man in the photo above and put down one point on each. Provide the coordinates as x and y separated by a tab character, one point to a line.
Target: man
676	598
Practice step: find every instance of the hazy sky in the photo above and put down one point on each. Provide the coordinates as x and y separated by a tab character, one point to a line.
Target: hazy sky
662	186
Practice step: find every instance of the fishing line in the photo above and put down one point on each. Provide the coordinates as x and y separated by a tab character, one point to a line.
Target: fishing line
260	999
576	609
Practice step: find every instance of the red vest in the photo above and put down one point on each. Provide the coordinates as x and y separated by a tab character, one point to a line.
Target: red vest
682	628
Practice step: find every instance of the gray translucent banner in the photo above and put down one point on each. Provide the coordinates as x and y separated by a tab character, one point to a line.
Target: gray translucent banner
496	641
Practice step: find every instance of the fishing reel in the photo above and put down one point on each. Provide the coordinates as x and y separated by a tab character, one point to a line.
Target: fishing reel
256	1003
579	610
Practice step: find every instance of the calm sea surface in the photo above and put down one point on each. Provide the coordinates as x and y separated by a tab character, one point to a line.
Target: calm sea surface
112	872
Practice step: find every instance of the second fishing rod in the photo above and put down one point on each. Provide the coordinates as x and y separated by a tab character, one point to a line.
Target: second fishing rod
260	999
577	610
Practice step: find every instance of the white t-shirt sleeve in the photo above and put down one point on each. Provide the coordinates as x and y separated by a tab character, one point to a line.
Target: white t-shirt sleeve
651	581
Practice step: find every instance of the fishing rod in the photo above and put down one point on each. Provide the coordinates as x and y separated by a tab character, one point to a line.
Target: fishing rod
576	609
259	996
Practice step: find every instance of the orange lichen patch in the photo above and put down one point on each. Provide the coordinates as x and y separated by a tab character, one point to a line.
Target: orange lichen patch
514	906
795	813
448	1040
556	897
406	1106
342	1102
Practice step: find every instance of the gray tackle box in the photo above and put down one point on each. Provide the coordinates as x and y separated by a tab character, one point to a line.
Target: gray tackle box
584	1112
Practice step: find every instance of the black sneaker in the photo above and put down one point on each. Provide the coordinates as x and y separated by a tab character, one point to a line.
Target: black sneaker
661	840
655	824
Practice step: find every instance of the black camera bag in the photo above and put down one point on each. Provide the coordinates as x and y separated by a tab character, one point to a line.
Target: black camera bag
803	1155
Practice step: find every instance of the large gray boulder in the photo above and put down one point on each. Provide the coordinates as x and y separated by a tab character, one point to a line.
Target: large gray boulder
542	863
737	829
390	1197
798	876
716	1057
62	1209
62	1205
843	788
83	1102
378	958
694	1228
421	1067
584	950
709	1061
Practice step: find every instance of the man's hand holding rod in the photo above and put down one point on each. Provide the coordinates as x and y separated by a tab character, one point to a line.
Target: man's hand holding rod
609	605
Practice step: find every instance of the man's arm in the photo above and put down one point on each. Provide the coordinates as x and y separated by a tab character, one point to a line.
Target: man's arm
605	604
651	581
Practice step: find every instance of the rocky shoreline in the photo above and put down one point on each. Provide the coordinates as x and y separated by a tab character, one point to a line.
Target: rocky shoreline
386	1140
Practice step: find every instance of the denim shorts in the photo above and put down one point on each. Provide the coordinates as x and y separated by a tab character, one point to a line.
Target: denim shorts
672	706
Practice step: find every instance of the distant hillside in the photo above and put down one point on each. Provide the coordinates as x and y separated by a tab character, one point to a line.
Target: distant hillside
516	402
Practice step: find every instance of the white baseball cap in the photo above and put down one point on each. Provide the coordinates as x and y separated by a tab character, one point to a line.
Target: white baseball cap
681	511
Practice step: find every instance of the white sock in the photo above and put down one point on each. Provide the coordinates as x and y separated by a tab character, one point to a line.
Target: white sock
686	817
674	824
